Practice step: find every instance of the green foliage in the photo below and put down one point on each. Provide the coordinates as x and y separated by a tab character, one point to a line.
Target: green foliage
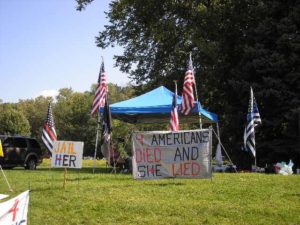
13	121
73	119
108	198
81	4
35	111
117	93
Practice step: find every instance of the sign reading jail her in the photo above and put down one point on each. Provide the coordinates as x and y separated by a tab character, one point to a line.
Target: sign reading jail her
165	154
67	154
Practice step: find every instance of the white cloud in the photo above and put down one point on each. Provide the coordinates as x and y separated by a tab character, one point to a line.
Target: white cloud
48	93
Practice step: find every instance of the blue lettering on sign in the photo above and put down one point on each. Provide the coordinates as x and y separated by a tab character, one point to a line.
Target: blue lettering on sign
65	160
57	159
19	223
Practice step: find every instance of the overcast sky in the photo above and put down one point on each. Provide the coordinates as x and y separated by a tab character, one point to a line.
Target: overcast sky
46	45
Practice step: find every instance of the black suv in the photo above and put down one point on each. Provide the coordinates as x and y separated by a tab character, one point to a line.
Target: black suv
20	151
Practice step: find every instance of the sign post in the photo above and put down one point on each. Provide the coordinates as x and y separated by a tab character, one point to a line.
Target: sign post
67	154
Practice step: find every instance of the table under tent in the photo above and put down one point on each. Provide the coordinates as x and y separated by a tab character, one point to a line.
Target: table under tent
154	107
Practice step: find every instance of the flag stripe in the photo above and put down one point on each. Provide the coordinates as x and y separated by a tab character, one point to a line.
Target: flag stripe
253	119
187	104
101	91
49	133
174	120
47	143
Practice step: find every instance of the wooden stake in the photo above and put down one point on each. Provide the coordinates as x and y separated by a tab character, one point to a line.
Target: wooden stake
65	177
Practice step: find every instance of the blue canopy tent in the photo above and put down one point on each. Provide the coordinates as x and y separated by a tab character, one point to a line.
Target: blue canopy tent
155	107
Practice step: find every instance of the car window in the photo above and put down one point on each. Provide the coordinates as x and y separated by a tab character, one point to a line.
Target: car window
34	143
20	143
8	142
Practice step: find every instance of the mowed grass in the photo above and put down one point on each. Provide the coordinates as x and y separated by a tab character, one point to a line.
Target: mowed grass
108	198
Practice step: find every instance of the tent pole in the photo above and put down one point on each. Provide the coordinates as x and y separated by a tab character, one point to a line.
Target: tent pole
218	136
96	145
111	149
218	132
198	104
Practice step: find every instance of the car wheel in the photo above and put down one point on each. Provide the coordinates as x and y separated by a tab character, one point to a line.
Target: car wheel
31	164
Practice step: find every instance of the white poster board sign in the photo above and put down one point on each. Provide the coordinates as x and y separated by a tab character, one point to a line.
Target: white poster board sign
14	211
67	154
165	154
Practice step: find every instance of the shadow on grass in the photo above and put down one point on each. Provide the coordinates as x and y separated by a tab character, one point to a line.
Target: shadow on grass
87	170
166	184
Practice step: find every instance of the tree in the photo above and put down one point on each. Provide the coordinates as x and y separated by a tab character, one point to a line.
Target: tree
73	119
13	121
35	111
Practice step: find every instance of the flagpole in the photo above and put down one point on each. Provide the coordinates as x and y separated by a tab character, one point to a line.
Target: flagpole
111	150
253	119
96	145
175	82
113	156
255	151
98	117
198	103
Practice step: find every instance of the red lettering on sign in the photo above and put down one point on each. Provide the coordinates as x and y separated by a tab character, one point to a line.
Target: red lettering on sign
14	209
186	169
140	138
148	155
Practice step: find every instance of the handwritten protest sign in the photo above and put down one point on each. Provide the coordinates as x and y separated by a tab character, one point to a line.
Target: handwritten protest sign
67	154
14	211
162	154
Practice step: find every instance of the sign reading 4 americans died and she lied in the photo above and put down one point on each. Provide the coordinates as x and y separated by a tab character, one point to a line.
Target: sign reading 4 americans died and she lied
67	154
165	154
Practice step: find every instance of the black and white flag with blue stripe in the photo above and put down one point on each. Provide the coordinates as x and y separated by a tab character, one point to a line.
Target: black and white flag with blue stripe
253	119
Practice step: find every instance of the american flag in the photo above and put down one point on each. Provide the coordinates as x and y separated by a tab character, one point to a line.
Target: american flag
174	121
101	91
187	104
49	133
253	119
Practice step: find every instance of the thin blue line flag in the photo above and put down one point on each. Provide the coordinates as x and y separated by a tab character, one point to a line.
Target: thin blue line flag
253	119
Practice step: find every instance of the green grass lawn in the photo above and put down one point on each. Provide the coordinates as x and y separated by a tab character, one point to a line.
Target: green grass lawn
108	198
